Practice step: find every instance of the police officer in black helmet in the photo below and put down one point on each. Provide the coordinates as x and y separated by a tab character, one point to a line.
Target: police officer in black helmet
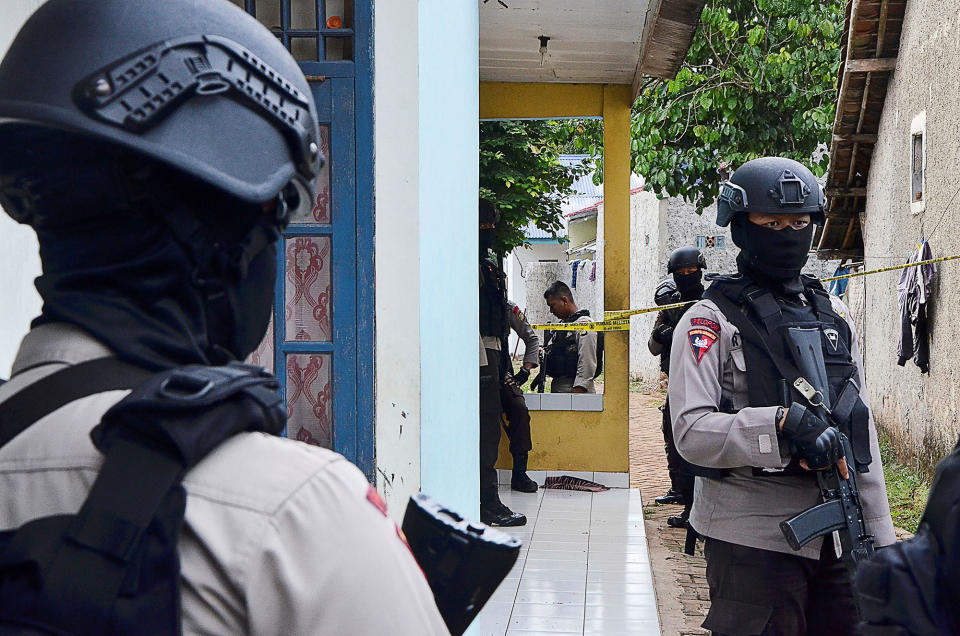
493	329
686	265
158	149
734	412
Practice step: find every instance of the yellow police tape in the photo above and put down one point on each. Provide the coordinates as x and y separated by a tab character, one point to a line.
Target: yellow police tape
620	320
606	325
892	268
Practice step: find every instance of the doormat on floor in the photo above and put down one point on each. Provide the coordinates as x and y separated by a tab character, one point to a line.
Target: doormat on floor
566	482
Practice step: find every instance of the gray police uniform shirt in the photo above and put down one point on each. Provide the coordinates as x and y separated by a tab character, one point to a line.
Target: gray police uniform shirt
586	363
278	538
741	508
518	322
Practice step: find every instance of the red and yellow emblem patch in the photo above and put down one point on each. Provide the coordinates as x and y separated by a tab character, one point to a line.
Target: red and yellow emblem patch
701	339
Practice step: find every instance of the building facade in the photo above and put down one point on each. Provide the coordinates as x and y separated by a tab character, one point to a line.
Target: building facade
905	192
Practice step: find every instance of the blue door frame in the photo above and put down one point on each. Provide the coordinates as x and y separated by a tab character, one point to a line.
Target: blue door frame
343	91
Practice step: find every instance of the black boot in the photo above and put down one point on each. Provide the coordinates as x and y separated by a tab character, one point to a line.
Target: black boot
520	481
494	513
680	521
672	497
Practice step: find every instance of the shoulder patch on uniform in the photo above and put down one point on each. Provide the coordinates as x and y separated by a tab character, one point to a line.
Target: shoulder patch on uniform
707	323
700	341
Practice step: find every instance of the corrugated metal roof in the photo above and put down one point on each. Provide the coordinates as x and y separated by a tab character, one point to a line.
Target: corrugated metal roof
585	197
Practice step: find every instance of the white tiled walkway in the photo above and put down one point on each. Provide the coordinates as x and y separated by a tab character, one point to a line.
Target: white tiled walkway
583	568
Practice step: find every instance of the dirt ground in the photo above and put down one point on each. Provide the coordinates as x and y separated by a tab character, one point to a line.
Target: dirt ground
679	580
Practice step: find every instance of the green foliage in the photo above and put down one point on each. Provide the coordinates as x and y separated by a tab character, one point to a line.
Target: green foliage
758	80
907	489
520	173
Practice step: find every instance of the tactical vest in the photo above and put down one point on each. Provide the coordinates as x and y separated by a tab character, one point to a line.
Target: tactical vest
493	300
763	320
913	584
113	567
561	357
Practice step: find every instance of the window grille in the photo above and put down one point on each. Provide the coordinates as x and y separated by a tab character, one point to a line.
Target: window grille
312	30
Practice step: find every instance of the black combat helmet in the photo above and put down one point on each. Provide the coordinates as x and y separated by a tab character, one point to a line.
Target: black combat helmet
686	257
772	185
201	87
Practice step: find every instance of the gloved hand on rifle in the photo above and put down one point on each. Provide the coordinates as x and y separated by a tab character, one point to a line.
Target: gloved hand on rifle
521	376
662	334
818	444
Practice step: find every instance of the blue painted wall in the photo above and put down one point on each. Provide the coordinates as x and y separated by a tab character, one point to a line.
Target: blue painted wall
449	332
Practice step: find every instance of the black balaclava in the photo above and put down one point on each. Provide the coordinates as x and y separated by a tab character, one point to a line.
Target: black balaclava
690	286
115	265
771	257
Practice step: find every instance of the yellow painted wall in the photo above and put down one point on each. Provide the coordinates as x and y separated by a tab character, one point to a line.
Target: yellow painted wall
576	440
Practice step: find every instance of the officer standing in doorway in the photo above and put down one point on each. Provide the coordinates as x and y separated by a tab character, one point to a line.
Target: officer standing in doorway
686	265
515	412
734	412
493	330
572	358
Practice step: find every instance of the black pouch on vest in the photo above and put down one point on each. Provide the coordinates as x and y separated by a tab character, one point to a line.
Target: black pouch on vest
113	568
854	420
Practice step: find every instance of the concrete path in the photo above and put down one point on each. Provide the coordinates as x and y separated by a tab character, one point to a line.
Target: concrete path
583	568
679	580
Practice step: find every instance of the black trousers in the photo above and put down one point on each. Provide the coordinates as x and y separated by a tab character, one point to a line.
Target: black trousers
490	411
681	479
755	591
518	420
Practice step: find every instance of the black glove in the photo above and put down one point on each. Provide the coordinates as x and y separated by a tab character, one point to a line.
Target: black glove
816	441
663	334
521	376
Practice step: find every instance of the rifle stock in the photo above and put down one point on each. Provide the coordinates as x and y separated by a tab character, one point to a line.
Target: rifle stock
463	561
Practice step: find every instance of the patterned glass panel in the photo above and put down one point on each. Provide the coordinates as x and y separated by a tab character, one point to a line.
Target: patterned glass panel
263	355
268	12
303	15
339	48
309	403
321	207
307	289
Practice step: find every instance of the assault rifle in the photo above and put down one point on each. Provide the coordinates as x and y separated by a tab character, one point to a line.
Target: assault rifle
539	383
463	561
841	511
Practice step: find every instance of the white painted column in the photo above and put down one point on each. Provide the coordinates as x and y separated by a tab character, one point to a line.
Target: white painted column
449	326
397	247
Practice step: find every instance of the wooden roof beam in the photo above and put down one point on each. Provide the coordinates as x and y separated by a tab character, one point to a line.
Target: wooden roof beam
846	239
845	192
882	27
859	138
871	65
